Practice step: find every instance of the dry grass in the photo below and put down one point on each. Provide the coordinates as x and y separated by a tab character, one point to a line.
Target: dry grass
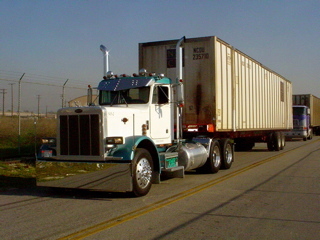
31	132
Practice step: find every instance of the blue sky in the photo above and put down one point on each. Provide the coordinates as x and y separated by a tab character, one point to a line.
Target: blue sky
55	40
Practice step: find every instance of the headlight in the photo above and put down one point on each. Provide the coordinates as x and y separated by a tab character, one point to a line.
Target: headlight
50	141
114	140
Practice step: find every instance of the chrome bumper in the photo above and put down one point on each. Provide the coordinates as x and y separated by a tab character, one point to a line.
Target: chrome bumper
296	134
109	177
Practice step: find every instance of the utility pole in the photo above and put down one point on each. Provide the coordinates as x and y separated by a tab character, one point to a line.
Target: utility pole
38	96
63	105
11	98
3	93
19	120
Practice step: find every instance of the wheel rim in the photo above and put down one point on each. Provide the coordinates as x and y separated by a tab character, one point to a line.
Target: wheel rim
228	154
216	156
143	173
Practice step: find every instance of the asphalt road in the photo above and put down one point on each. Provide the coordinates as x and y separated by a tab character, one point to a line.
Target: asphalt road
265	195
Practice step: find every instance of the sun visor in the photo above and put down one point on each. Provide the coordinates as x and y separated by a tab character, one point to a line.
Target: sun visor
118	84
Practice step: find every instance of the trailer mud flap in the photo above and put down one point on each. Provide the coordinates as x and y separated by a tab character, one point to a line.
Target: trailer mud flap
109	177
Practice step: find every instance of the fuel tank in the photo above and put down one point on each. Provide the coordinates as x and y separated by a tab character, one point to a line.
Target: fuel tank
192	156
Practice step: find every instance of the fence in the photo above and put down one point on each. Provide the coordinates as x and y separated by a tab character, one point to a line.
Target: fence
28	104
31	94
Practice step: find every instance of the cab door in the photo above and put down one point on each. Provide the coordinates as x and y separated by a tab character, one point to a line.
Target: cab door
160	115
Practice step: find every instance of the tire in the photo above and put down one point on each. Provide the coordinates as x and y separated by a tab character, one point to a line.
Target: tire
277	141
227	153
213	162
283	140
270	142
311	135
142	172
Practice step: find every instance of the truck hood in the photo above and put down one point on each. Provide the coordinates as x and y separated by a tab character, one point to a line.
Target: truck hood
120	120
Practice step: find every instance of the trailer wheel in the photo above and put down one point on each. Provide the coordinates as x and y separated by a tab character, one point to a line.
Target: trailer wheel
277	141
142	172
270	142
227	153
283	140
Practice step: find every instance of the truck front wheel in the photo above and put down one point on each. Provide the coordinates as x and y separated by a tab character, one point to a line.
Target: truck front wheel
142	172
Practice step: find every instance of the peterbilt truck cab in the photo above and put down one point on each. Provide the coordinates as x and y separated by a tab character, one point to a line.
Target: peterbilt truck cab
131	138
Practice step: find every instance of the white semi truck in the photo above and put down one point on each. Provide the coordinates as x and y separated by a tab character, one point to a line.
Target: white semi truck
211	99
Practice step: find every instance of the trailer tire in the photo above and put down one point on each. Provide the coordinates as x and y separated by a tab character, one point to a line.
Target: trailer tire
277	141
270	142
283	140
227	153
142	172
213	162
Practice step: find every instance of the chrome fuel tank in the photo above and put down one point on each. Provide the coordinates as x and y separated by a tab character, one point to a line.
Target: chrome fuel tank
192	156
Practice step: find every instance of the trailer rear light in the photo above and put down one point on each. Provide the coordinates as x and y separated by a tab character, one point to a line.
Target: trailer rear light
210	128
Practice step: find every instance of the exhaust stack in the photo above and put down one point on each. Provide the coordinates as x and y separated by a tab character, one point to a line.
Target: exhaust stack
179	84
105	59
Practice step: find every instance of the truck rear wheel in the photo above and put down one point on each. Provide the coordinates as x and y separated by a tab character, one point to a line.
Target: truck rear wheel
213	162
142	172
227	154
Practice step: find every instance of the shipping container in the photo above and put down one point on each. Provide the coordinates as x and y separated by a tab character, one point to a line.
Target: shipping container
223	86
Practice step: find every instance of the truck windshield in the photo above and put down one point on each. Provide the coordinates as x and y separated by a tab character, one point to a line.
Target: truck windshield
127	96
299	111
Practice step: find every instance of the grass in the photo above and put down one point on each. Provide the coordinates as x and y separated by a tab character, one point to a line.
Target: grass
16	175
21	174
31	132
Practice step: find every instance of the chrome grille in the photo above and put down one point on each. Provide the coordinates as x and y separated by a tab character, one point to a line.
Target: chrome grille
79	135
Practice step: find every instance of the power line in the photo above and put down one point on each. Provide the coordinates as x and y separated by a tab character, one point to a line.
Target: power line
8	75
45	84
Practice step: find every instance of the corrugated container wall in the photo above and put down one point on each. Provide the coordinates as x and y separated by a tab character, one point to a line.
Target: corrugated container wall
312	102
223	85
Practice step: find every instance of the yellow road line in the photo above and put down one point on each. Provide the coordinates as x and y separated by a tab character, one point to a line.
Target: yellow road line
167	201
